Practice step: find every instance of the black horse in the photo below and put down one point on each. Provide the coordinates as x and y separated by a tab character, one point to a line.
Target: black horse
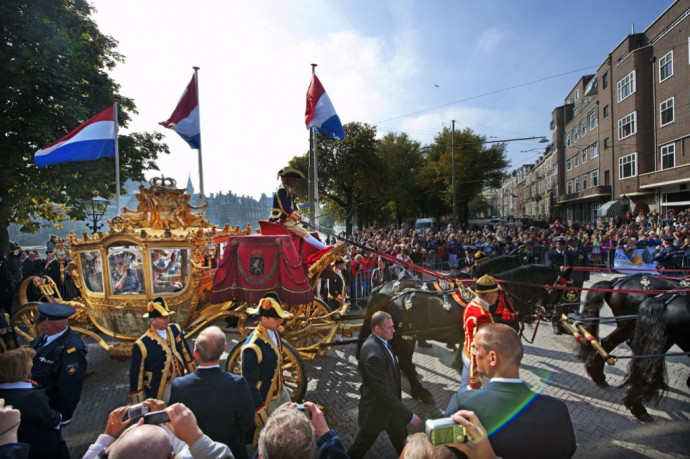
621	304
662	321
495	265
425	314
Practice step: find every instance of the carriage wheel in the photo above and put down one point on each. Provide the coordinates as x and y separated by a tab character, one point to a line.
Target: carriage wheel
23	322
315	313
294	376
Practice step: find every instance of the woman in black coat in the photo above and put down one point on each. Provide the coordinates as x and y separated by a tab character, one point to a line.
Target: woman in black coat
40	424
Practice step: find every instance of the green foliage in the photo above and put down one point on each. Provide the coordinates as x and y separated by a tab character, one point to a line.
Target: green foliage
53	79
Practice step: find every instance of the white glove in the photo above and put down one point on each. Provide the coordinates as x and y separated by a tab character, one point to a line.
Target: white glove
305	220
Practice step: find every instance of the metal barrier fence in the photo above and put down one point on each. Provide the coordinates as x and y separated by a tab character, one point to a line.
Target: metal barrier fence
361	285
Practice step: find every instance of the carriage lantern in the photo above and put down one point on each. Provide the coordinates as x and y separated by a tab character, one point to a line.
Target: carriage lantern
95	207
61	255
209	249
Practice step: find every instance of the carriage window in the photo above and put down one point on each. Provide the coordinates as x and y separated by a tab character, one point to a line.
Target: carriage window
169	269
126	270
92	270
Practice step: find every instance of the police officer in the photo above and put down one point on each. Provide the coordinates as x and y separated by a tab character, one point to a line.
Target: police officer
559	256
262	359
60	361
159	356
527	253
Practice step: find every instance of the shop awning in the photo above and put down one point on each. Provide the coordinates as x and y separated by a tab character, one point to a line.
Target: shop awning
611	209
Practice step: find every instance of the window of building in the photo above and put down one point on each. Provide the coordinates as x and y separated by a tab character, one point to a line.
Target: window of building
666	112
666	66
553	125
607	143
555	169
594	177
577	94
606	111
593	150
575	134
569	214
627	166
554	147
576	182
584	156
568	142
626	86
605	80
584	182
607	178
583	128
627	126
568	164
668	156
593	119
569	187
576	161
554	191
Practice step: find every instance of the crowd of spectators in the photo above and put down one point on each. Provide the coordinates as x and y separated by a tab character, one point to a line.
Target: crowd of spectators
446	247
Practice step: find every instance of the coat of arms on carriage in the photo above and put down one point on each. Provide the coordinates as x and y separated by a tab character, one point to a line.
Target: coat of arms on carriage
571	296
466	294
256	263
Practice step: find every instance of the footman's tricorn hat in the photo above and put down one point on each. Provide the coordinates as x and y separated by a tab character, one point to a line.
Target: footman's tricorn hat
269	306
480	256
486	284
158	308
290	172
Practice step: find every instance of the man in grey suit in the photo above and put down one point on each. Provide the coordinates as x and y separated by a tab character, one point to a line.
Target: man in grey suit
380	405
221	401
520	422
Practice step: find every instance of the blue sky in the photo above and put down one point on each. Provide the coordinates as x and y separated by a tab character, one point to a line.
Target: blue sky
379	62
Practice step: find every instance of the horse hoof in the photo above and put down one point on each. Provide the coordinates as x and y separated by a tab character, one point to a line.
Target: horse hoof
601	383
640	413
645	417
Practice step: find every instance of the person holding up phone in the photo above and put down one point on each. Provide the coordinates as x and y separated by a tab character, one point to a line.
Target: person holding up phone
178	437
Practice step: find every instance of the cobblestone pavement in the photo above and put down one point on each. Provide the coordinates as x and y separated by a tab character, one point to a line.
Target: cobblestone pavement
603	427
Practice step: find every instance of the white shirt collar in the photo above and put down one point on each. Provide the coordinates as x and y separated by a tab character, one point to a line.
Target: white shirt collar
51	338
162	333
206	367
16	385
507	380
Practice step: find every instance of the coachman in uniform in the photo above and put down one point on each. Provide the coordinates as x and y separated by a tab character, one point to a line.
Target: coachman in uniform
60	361
159	356
262	359
284	209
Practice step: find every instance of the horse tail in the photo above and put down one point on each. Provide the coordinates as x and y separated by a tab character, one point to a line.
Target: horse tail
593	303
647	376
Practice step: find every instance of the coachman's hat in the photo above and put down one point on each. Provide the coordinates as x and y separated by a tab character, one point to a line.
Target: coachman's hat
54	311
158	308
269	306
486	284
480	256
290	172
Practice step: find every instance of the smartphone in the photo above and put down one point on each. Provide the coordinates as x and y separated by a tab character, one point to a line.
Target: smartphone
304	410
156	417
136	411
445	431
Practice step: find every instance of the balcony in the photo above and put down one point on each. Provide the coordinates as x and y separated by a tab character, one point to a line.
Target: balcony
589	193
652	180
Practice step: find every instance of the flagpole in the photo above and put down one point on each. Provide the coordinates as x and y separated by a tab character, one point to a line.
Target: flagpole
316	167
117	161
201	167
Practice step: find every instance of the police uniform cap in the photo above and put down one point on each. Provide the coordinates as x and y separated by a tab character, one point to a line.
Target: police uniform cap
529	242
54	311
480	256
158	308
486	284
270	306
290	172
667	238
559	240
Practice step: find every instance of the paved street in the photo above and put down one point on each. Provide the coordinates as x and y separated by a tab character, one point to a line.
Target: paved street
603	427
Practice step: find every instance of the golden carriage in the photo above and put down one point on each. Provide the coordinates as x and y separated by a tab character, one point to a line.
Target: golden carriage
168	248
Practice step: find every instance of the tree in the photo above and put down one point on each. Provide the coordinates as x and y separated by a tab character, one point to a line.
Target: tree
54	78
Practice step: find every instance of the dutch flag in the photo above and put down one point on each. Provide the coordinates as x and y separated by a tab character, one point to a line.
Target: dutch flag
320	112
92	140
185	119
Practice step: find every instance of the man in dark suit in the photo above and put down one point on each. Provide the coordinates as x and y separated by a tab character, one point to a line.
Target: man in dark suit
380	405
221	401
60	361
542	426
559	256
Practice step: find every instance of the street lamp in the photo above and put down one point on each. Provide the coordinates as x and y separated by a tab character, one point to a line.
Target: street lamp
95	207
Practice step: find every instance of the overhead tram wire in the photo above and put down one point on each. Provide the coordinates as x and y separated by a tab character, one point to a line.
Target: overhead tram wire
486	94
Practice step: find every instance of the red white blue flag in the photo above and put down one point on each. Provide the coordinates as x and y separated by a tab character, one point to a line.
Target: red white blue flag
320	112
185	119
92	140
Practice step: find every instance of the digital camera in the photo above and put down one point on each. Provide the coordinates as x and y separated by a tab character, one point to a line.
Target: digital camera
445	431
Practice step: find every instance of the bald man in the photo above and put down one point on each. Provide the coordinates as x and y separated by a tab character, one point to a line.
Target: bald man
542	427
